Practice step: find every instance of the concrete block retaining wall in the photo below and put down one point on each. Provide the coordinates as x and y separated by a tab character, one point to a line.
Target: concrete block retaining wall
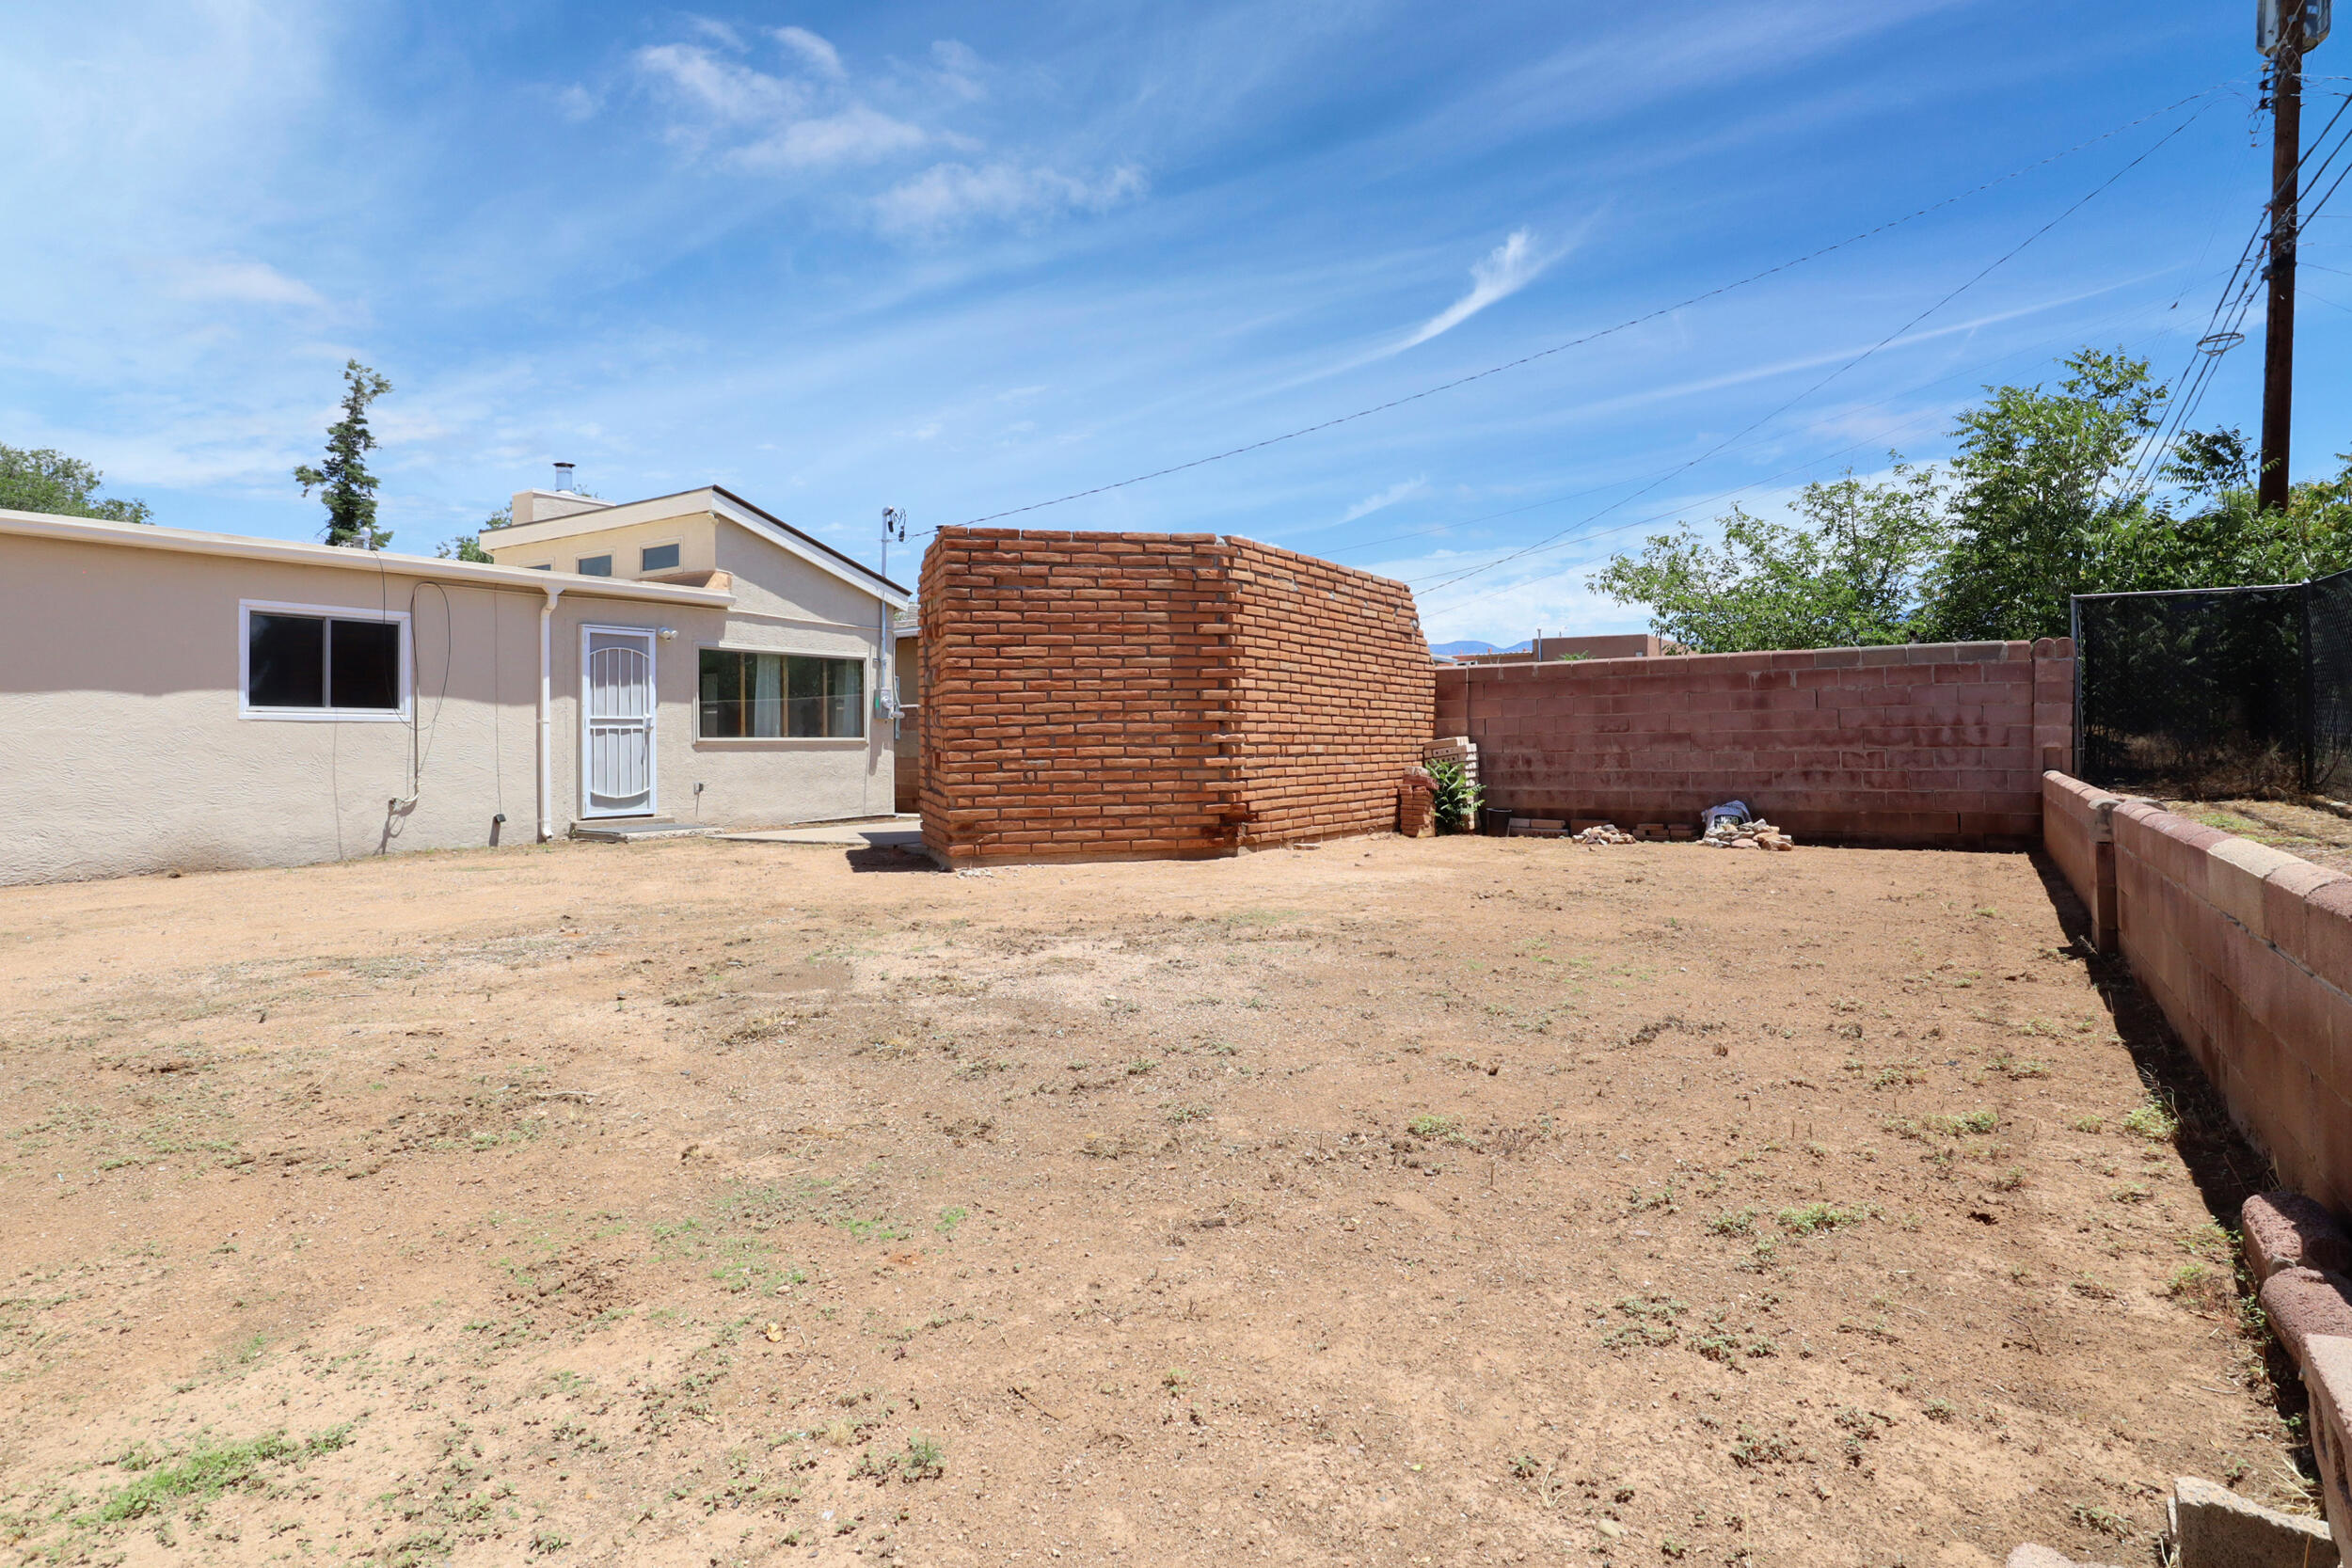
1928	743
2249	952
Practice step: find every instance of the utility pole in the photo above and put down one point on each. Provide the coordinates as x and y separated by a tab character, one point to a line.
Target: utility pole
2284	30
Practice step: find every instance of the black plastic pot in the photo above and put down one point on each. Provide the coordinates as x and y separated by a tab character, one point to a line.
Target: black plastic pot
1495	821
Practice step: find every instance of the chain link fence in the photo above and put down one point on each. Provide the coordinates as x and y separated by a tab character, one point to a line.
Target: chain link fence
2216	693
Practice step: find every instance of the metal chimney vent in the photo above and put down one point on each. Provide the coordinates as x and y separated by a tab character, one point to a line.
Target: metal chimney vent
564	476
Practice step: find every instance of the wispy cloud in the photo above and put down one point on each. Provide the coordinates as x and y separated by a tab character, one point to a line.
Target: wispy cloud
768	122
821	56
857	135
948	195
1508	268
1404	489
233	281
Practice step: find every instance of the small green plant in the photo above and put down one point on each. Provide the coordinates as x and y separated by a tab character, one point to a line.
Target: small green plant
1526	1467
1939	1410
204	1471
1454	800
1807	1218
1756	1449
2091	1517
1430	1125
2089	1124
924	1460
1740	1221
2154	1121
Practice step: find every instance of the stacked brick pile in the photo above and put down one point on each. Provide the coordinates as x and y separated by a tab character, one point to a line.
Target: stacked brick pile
1920	744
1102	695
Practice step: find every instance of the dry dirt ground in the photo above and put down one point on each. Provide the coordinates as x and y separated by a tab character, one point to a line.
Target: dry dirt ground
1465	1201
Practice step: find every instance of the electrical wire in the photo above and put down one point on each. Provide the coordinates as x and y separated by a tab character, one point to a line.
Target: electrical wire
1632	322
2229	312
1986	272
1684	508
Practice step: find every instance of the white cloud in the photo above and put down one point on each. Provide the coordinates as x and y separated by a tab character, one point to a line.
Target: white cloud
823	57
789	125
732	93
958	70
856	135
1508	268
240	282
1404	489
576	104
947	195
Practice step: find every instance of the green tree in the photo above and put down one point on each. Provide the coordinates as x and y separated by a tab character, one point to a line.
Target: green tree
46	480
343	483
2039	507
1849	574
468	547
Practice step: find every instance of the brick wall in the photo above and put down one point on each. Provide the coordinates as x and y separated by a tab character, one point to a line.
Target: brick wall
1942	743
1099	695
2249	951
1334	688
1078	695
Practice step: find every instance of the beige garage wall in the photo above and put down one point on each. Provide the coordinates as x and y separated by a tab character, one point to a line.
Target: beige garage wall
125	752
122	750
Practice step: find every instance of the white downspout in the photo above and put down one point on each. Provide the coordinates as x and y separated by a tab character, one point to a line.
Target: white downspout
546	714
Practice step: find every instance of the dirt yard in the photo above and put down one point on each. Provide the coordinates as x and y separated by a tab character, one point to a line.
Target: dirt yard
1467	1201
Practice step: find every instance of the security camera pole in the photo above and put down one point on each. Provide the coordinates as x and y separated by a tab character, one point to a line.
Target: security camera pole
2284	30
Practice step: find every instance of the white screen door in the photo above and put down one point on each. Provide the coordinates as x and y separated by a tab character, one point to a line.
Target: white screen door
616	740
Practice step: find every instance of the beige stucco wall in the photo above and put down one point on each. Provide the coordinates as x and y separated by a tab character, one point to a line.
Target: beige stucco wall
123	749
692	533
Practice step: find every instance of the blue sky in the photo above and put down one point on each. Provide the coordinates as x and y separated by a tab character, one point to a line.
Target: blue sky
963	259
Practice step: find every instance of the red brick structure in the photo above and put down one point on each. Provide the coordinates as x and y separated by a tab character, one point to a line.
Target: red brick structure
1940	743
1110	695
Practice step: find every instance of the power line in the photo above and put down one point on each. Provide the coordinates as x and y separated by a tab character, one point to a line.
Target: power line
1977	368
2228	315
1708	500
1621	327
1987	271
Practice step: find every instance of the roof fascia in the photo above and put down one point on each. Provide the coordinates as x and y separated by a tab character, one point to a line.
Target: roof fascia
95	530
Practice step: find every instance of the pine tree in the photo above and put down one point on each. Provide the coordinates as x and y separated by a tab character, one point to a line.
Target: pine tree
343	483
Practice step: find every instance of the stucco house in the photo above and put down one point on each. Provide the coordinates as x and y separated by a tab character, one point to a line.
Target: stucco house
176	699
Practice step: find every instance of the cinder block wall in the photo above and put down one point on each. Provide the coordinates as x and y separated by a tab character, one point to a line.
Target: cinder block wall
2078	830
1928	743
1334	688
2249	951
1107	696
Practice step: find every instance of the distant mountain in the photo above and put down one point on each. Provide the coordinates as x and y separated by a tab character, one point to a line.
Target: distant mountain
1470	645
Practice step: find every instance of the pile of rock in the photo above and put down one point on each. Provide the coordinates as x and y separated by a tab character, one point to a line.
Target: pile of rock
1607	833
1755	833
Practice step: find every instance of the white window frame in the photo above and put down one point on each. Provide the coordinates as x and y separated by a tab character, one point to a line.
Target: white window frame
246	611
643	568
840	742
581	561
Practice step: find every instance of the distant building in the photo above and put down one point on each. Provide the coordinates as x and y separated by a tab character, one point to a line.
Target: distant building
1640	645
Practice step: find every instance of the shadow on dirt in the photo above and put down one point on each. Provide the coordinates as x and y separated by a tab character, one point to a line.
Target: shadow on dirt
2226	1167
